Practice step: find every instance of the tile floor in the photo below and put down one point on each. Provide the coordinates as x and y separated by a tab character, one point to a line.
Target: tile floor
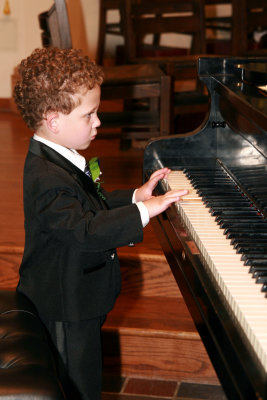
119	388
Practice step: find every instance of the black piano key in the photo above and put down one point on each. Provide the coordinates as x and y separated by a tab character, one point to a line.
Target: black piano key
218	194
255	256
215	180
238	217
256	263
253	183
259	190
255	172
248	170
259	272
262	280
204	172
225	221
208	185
247	174
253	221
235	197
229	211
254	248
207	182
226	203
262	200
259	199
210	181
237	204
245	241
257	269
257	193
260	226
246	235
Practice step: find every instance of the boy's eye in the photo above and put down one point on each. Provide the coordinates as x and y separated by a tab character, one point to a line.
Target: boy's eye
89	115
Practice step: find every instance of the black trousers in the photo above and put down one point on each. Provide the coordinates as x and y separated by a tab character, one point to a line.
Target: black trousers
79	350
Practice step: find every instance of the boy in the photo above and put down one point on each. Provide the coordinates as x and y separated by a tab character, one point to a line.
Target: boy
70	269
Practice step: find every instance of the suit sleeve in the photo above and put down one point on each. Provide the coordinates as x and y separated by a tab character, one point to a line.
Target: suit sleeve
61	213
118	198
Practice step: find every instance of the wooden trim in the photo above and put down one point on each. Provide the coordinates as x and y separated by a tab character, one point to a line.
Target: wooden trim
10	249
5	104
134	331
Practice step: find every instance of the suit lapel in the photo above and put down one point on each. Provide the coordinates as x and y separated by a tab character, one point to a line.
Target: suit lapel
44	151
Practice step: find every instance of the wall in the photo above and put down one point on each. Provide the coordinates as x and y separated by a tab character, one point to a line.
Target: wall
20	32
83	17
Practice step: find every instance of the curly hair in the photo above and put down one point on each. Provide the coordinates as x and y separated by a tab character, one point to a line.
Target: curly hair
49	78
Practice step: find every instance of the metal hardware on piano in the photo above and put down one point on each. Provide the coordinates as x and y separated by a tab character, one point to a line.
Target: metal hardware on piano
216	243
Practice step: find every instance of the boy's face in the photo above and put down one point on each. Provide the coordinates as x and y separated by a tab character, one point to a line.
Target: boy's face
77	129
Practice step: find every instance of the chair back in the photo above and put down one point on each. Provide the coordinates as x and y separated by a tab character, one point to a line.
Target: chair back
55	27
157	17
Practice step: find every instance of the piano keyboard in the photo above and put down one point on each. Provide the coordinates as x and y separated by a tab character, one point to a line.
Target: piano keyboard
245	298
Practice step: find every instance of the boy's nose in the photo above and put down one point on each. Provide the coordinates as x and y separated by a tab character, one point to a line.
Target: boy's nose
97	122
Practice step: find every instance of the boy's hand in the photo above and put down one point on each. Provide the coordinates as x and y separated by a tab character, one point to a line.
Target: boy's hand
145	191
156	205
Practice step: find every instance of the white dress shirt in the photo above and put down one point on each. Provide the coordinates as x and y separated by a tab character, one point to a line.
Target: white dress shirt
79	161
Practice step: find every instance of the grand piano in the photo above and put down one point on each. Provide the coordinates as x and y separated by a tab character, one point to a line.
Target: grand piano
215	239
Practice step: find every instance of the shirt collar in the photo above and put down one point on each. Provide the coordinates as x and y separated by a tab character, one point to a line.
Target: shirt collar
70	154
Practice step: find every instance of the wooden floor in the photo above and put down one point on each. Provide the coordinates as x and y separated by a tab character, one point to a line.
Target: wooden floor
147	284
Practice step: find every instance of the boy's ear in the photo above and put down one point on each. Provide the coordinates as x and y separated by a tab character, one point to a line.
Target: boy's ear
52	122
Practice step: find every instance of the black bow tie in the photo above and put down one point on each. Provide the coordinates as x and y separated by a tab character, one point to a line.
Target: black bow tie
87	171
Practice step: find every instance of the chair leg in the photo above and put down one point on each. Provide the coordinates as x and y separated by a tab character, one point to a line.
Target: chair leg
101	34
125	144
166	127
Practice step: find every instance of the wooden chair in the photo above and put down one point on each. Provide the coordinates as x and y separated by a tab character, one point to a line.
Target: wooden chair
144	89
249	18
157	17
107	28
248	27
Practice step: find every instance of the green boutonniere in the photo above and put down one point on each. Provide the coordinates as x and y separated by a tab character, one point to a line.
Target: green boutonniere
94	168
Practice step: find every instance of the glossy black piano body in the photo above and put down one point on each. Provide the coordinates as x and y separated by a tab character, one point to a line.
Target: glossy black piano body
235	133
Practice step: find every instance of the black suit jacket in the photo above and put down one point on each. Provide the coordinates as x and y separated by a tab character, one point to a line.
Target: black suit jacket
70	269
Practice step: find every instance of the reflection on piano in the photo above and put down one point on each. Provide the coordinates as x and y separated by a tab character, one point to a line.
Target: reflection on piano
215	239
